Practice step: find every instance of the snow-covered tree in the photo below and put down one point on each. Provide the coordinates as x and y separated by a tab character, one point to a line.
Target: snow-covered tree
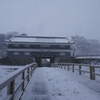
84	46
9	35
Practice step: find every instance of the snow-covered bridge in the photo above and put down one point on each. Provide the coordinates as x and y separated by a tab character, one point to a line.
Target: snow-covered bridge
53	83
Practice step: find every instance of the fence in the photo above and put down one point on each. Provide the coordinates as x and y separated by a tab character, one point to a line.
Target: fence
15	91
72	66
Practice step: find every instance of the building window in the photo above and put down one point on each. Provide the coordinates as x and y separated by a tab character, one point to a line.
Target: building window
44	45
27	53
16	53
62	54
62	46
16	45
27	45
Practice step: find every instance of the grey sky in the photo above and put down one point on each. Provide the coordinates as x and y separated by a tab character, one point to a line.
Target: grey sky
51	17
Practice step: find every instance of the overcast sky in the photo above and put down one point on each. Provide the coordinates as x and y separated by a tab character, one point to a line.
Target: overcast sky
51	17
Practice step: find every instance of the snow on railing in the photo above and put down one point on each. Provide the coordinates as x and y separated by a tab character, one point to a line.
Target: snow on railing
92	69
14	92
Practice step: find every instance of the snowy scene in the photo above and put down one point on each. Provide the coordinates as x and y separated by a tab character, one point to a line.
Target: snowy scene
49	49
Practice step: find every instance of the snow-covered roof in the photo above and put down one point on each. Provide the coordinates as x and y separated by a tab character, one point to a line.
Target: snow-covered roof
40	39
16	39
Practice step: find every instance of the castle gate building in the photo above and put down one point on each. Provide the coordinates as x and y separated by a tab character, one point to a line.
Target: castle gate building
38	47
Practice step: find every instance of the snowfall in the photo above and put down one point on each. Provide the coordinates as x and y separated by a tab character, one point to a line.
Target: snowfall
48	83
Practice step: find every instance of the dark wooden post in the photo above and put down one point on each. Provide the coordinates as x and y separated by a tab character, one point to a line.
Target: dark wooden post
72	68
11	88
61	66
79	69
90	72
68	67
93	71
31	70
28	72
23	84
65	67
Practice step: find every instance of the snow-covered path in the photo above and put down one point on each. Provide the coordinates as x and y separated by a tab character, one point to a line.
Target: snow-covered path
37	88
58	84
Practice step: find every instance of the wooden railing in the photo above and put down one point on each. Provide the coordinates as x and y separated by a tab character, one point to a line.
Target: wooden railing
78	67
15	90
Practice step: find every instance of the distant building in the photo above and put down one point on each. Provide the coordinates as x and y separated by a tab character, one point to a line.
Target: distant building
23	34
38	47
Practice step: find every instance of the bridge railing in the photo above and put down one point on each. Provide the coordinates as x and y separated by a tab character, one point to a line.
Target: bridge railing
92	68
14	89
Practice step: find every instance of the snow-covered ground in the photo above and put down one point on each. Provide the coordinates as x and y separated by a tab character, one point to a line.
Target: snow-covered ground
4	71
59	84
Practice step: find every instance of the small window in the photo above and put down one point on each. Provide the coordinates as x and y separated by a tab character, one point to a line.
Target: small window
27	53
16	53
16	45
44	45
47	45
26	45
48	51
62	46
62	54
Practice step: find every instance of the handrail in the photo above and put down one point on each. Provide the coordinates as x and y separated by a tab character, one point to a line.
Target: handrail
73	65
85	55
76	64
9	81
